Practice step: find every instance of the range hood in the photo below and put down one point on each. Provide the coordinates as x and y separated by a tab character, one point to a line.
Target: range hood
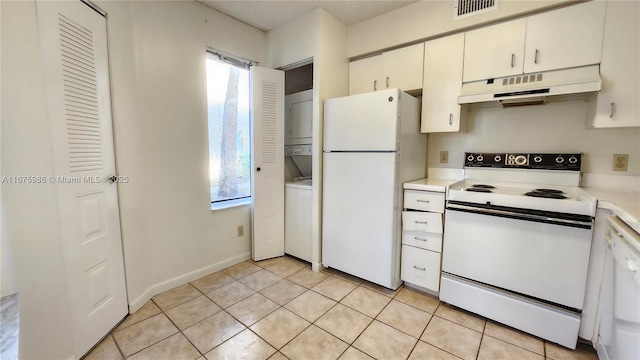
581	83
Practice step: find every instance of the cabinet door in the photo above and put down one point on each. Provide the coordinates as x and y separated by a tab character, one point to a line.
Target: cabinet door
420	267
402	68
424	200
365	74
617	102
494	51
565	38
422	221
442	82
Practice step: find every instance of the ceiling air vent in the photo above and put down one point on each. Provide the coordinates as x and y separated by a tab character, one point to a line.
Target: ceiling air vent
464	8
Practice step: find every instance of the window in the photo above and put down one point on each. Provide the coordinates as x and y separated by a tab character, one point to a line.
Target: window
229	128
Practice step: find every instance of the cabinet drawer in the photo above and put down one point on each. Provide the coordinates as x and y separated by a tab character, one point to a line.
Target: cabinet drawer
422	221
424	200
424	240
420	267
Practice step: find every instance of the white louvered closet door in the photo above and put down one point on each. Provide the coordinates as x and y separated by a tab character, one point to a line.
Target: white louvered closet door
267	89
74	49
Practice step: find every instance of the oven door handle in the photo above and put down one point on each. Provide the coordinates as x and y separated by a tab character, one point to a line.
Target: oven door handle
520	216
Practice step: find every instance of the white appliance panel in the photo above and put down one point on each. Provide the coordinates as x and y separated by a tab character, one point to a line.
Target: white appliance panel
360	216
550	323
620	295
545	261
365	122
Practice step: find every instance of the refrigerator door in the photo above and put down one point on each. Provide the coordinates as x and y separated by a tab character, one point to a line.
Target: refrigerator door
360	218
364	122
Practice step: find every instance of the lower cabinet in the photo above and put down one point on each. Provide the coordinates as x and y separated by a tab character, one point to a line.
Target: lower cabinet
422	228
421	267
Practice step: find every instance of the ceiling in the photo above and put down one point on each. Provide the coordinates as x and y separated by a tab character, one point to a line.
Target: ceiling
269	14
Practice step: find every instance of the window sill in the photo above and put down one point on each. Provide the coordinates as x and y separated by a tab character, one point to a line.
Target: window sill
230	204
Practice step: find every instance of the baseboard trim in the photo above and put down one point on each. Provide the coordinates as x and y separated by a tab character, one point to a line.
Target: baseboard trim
138	302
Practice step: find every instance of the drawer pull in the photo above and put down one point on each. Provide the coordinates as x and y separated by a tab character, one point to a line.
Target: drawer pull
424	201
419	239
419	268
420	222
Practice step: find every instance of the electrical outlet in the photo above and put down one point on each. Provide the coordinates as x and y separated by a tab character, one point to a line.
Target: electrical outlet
444	157
240	230
620	162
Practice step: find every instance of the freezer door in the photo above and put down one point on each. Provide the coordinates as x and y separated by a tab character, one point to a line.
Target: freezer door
364	122
359	217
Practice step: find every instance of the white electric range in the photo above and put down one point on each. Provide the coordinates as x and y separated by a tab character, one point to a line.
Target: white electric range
517	242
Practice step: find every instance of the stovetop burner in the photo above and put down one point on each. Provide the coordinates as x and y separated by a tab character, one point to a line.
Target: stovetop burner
479	189
483	186
546	195
549	191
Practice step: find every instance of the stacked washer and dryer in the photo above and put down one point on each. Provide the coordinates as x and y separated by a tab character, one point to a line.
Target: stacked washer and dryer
298	174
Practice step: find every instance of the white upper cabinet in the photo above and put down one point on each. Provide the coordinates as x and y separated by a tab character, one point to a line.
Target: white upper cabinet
494	51
565	38
365	75
442	83
401	68
617	103
558	39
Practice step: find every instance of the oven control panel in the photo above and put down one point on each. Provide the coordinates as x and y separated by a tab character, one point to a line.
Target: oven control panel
544	161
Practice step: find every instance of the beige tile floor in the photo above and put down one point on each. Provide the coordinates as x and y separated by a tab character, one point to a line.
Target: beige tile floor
280	309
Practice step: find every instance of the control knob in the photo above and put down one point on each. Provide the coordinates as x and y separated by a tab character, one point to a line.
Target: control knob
537	159
573	159
480	158
497	158
559	160
470	158
521	160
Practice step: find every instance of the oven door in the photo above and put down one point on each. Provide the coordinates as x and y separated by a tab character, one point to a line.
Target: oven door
514	250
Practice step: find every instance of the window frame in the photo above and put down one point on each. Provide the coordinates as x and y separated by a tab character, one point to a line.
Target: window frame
245	64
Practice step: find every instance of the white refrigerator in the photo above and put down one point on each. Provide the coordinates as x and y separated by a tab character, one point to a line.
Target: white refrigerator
372	145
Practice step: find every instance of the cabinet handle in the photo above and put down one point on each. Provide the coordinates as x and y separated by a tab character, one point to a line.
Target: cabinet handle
419	268
387	81
420	200
375	85
419	239
421	222
613	109
535	60
608	240
450	119
513	59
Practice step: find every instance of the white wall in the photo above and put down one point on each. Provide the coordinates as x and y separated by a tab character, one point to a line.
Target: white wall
30	219
170	234
546	128
428	19
318	35
157	50
331	75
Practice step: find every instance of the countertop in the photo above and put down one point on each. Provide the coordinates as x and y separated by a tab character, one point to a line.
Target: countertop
428	184
625	205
